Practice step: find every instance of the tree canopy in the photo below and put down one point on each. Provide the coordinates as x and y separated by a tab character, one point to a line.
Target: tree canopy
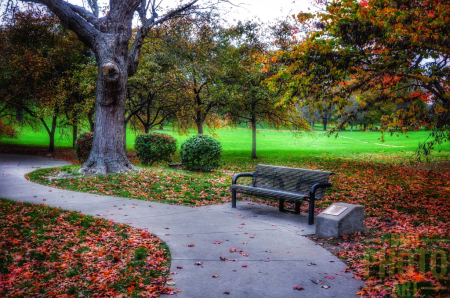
392	51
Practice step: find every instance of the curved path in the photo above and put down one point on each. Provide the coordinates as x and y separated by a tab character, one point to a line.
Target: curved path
276	253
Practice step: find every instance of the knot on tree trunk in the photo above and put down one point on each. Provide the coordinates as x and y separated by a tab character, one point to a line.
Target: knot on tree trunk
111	72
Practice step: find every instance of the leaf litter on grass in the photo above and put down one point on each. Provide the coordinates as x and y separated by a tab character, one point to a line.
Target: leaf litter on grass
48	252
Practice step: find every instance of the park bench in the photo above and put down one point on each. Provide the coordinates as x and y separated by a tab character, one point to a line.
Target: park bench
284	184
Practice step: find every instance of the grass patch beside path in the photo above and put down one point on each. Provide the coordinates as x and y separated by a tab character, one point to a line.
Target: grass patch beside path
154	184
48	252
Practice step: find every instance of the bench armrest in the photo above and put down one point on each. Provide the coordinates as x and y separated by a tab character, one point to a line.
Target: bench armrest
320	185
235	178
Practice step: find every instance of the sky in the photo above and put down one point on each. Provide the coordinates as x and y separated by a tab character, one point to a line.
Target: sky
264	10
256	10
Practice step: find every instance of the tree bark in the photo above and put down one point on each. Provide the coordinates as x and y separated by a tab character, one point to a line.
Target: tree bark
19	114
91	122
108	153
74	133
312	123
253	139
199	126
325	122
51	133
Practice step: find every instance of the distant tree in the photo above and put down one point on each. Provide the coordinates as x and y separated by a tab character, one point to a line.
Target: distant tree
249	99
39	57
154	91
199	47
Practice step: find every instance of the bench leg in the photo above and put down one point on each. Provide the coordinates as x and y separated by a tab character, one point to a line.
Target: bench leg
233	199
311	210
297	207
281	206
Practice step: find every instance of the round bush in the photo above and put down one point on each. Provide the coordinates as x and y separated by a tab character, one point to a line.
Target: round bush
201	153
83	146
154	147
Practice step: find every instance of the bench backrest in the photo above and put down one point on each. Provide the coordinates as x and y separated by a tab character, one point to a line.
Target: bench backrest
289	179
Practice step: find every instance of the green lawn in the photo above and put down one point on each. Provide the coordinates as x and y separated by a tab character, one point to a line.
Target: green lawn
271	143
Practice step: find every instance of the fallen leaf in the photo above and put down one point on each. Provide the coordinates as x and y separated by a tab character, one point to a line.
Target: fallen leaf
298	288
215	276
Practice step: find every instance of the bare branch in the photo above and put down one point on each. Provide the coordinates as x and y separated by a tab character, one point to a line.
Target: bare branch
94	6
135	51
72	19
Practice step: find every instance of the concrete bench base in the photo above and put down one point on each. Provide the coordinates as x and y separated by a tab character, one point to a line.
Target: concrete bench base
348	222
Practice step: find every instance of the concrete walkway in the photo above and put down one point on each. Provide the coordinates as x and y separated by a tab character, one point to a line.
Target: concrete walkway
274	249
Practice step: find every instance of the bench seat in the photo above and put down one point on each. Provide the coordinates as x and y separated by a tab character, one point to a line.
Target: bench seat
284	184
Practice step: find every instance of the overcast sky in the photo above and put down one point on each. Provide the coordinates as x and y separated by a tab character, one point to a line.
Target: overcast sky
256	10
264	10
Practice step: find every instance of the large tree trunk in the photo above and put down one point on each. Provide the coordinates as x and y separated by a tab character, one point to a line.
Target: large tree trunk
312	123
108	154
325	122
254	139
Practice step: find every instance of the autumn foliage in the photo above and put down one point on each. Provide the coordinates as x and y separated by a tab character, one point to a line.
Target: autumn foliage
47	252
383	52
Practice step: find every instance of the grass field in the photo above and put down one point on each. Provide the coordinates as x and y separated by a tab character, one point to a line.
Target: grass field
270	143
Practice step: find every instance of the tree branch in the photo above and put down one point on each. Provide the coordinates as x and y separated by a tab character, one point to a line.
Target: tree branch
73	18
135	51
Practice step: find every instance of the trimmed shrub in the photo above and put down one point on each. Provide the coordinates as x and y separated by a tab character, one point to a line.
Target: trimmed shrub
201	153
83	146
155	146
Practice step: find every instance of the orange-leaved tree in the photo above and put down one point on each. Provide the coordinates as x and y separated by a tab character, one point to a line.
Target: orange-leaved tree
396	51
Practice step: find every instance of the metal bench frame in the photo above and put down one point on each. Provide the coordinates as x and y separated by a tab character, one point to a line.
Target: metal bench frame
271	181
